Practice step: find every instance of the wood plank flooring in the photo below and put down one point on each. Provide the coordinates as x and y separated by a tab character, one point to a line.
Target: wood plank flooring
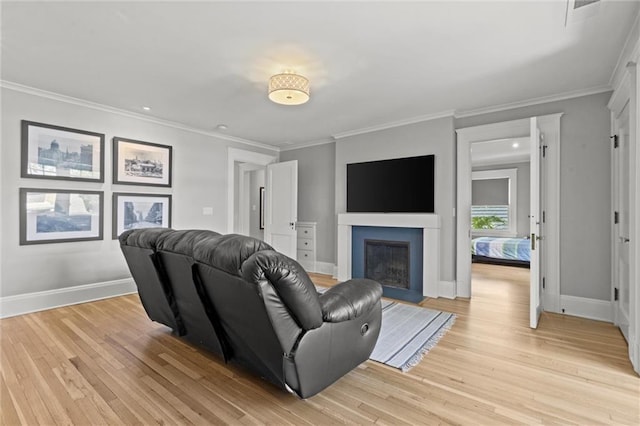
105	362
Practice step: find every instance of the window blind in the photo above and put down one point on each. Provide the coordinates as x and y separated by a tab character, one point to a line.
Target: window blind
490	192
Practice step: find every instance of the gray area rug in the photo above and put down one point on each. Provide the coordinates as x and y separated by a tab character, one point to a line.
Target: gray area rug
407	333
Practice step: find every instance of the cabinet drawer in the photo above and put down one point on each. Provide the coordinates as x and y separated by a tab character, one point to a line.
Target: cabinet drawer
305	243
305	255
305	232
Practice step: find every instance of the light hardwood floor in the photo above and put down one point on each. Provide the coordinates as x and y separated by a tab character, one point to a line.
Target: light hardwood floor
106	363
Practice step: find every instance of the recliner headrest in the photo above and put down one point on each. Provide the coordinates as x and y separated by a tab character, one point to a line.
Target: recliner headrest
143	238
290	281
184	241
227	252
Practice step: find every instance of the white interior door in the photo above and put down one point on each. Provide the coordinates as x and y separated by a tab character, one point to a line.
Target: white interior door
621	193
535	224
281	210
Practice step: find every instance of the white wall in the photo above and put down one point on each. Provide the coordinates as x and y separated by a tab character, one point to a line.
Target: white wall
428	137
199	180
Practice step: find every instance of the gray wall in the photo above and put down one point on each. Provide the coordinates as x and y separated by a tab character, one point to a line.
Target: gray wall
199	180
585	182
523	190
585	175
316	194
428	137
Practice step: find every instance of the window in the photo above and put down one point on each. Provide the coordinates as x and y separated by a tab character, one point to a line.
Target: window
493	202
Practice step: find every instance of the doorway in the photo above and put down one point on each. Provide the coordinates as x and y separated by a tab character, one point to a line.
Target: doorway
250	202
500	226
549	126
240	164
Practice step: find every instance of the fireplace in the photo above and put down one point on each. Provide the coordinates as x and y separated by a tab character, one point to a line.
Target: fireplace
391	256
387	262
429	224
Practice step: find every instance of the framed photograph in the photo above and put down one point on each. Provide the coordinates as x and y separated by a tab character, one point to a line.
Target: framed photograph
54	152
60	216
141	163
262	207
133	211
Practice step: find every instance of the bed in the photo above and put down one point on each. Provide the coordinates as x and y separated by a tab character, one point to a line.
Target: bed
501	251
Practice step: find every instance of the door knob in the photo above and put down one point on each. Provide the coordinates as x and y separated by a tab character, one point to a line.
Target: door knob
624	239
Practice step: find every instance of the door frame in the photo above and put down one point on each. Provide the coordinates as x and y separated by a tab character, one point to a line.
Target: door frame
549	125
234	156
628	91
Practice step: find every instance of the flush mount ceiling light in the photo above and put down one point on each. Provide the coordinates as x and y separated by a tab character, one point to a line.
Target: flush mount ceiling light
288	89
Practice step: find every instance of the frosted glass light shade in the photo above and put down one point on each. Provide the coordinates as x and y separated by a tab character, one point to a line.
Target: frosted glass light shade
288	89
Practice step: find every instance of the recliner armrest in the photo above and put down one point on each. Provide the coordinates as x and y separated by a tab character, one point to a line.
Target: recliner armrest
349	299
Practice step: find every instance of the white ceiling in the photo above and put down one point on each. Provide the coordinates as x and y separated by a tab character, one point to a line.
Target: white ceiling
206	63
501	151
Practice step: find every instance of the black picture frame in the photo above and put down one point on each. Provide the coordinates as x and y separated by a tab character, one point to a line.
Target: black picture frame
142	163
56	216
124	217
262	207
61	153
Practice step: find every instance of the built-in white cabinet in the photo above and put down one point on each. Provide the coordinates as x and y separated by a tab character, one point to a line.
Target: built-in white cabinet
307	245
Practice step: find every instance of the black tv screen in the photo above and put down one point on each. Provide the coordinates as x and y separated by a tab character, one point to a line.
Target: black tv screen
401	185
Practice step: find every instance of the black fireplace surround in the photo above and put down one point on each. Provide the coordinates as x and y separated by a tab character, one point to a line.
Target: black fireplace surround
387	262
240	299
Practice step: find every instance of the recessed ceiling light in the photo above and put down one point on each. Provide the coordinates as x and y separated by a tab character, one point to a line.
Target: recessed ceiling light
222	127
146	108
515	144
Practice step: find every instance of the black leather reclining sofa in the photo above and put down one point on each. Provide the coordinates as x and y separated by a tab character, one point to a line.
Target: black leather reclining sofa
237	297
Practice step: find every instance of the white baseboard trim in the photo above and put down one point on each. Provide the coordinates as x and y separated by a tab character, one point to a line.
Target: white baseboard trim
11	306
447	289
596	309
325	268
634	354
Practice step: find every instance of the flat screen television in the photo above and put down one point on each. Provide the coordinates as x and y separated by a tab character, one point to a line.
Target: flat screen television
400	185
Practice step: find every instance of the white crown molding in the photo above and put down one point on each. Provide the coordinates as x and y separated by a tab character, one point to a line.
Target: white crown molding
105	108
620	96
309	144
428	117
630	52
534	101
392	124
473	112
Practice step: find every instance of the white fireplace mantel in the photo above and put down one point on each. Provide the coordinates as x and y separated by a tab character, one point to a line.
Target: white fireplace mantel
430	225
